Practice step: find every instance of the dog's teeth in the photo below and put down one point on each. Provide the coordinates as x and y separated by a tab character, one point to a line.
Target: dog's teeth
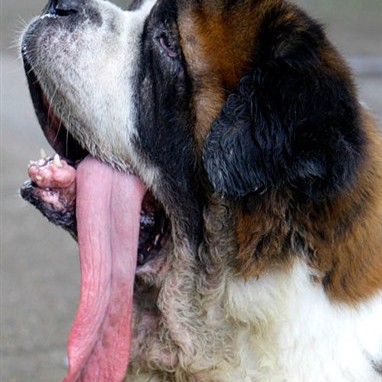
39	178
57	161
43	154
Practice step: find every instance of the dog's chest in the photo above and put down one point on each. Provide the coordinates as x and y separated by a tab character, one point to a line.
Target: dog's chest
303	336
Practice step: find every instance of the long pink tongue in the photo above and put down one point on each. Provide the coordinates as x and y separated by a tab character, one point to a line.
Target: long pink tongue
108	210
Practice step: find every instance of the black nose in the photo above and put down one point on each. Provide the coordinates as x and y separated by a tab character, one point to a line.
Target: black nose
64	7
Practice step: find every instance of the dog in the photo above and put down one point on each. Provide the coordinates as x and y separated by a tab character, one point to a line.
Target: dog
224	184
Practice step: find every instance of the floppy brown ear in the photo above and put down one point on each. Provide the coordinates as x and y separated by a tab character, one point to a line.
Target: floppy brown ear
293	122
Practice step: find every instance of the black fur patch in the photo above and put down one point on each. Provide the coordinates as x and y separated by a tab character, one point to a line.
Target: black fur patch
293	122
165	117
378	367
64	217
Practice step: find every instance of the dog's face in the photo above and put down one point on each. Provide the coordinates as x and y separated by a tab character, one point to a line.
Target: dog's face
120	84
231	114
98	48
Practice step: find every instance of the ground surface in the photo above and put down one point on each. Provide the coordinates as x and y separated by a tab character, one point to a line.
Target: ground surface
39	269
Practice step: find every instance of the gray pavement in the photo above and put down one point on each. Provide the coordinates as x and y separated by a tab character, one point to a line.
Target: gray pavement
39	264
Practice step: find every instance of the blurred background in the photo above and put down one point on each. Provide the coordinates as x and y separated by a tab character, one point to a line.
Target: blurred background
39	263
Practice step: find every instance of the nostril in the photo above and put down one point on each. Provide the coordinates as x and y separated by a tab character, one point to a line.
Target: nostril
67	7
64	7
65	12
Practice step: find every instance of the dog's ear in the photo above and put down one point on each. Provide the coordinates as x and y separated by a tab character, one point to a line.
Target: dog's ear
293	122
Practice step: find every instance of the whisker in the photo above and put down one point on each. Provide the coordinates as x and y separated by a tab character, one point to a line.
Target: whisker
67	138
17	33
52	114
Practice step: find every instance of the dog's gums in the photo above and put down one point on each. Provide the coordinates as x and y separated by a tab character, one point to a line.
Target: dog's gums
54	176
52	189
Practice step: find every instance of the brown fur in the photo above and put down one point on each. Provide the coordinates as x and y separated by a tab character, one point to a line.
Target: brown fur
218	46
340	240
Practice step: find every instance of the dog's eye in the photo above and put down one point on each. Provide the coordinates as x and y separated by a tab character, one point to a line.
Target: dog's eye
167	46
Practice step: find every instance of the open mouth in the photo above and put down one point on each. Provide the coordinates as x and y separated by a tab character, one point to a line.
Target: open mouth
154	224
121	229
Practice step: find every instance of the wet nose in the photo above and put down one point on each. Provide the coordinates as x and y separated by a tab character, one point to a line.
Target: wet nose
64	7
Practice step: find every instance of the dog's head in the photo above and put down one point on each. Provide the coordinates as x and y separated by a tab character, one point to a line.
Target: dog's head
227	112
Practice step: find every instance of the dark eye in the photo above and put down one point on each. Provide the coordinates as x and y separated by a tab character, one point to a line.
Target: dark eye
167	46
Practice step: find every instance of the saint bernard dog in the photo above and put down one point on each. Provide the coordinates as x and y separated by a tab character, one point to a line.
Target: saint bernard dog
224	184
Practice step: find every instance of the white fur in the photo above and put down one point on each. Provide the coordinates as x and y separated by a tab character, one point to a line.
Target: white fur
298	335
88	75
